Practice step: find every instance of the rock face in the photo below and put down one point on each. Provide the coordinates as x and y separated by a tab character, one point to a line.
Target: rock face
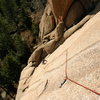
78	57
70	11
47	23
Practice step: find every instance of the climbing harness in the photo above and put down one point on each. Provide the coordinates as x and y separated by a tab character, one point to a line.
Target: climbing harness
67	78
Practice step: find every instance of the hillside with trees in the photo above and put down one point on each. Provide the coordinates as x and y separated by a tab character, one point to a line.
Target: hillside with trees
14	51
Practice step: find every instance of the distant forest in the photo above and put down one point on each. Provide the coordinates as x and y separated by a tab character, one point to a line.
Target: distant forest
14	53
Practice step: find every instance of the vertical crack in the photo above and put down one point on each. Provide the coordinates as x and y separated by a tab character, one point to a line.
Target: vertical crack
44	88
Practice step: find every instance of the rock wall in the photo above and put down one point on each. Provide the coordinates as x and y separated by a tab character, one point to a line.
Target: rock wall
70	11
47	23
79	57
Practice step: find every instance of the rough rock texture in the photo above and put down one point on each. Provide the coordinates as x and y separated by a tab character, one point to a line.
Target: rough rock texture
80	56
48	46
47	23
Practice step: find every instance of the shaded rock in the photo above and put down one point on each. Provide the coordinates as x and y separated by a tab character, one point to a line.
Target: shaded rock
41	52
35	57
60	7
71	30
74	14
47	23
88	5
71	11
77	11
50	46
58	32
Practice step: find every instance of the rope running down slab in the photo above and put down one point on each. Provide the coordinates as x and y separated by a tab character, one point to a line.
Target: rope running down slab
67	78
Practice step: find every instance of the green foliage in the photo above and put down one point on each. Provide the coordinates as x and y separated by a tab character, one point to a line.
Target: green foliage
10	68
14	16
6	26
35	31
21	49
14	54
8	16
6	45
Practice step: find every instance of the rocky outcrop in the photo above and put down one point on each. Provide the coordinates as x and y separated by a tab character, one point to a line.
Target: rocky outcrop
50	41
68	8
75	13
78	57
61	69
47	23
47	48
71	13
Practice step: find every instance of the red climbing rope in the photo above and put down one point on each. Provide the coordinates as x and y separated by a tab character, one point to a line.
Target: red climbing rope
82	86
67	78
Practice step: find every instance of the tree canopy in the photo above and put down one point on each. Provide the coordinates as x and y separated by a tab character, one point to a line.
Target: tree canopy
14	53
